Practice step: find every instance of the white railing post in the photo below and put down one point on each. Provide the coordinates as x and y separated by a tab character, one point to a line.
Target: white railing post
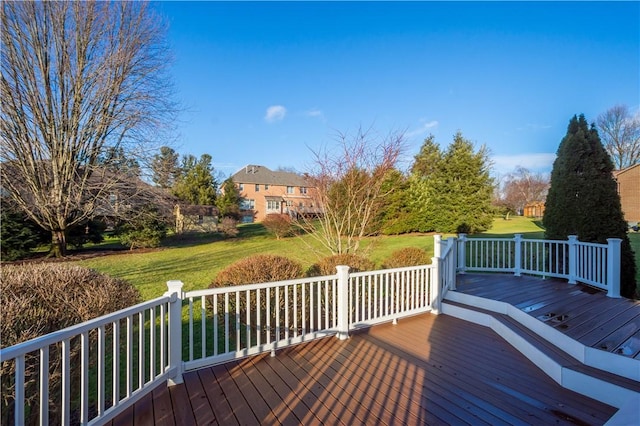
175	330
343	302
573	258
614	257
435	285
517	238
462	255
437	249
453	263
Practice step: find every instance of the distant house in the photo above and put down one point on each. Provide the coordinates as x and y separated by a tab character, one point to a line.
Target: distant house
195	218
629	189
265	191
535	209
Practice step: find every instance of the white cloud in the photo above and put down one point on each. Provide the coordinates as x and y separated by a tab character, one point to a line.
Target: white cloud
275	113
315	113
540	163
424	128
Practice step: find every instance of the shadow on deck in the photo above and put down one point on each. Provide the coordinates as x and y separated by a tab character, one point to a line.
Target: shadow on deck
428	369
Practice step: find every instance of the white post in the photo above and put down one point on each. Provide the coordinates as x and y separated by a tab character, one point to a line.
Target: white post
343	302
462	255
175	330
614	257
453	263
437	249
573	258
518	255
435	285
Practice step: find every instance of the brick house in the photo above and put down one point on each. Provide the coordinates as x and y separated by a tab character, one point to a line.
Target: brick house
264	192
629	189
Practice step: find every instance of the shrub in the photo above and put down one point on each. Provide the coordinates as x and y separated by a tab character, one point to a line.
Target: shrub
146	229
89	232
18	235
229	227
409	256
278	224
327	266
38	299
258	269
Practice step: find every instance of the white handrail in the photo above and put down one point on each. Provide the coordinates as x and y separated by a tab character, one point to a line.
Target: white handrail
594	264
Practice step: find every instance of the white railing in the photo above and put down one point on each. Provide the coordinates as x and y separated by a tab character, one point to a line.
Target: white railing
594	264
109	363
94	370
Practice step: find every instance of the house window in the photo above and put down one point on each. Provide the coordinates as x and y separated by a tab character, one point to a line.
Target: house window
257	187
241	186
273	205
266	186
303	190
289	203
289	189
300	204
247	204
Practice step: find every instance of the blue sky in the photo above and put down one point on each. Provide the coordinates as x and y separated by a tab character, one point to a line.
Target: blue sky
268	83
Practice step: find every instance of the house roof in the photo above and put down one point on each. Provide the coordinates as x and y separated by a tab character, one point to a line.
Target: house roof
262	175
616	173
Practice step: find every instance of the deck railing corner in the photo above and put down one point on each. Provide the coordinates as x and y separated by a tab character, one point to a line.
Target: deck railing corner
174	291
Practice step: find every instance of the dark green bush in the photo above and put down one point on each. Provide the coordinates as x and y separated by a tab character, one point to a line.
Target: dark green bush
327	266
258	269
409	256
19	235
38	299
147	228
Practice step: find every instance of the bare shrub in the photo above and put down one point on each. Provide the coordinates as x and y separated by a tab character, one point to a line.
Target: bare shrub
229	227
38	299
409	256
258	269
327	266
279	224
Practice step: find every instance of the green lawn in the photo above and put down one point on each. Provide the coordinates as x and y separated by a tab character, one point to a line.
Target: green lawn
197	261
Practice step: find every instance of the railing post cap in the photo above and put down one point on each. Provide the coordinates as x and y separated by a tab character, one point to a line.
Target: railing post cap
614	240
342	268
174	285
437	237
573	237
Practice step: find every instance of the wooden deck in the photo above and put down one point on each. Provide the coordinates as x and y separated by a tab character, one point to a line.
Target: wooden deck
580	312
428	369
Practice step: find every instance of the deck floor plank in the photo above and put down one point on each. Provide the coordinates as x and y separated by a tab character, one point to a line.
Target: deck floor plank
162	407
217	400
200	405
579	311
428	369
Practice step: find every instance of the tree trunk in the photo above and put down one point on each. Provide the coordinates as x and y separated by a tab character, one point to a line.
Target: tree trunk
58	244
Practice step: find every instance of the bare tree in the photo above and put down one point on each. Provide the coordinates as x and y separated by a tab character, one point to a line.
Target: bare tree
620	135
348	187
522	187
79	79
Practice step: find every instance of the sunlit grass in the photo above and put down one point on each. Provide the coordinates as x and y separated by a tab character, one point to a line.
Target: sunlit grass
196	261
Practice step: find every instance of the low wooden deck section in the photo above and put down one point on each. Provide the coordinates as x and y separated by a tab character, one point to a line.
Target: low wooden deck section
580	312
428	369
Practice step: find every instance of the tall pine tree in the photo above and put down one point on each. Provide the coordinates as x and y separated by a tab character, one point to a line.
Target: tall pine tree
583	199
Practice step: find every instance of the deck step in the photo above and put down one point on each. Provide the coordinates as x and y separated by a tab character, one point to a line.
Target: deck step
558	364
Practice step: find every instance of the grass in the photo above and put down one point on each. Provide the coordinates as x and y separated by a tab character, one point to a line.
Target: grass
197	259
196	262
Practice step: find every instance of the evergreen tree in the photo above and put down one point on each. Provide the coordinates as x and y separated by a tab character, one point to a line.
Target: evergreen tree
196	184
583	198
462	189
424	171
228	202
393	213
165	168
